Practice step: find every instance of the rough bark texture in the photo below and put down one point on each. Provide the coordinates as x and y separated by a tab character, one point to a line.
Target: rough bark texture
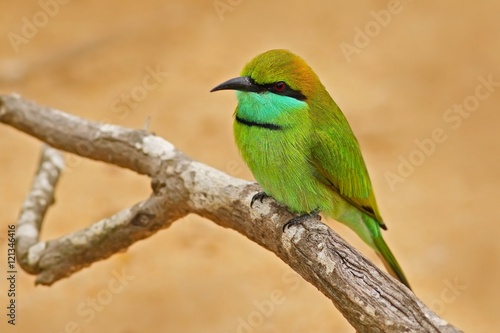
371	300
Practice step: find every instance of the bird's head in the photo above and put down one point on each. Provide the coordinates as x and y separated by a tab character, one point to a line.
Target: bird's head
278	72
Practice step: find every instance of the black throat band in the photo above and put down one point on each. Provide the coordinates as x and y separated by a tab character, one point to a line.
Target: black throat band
268	126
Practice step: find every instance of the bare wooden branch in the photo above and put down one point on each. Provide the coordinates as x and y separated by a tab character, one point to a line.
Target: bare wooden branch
371	300
35	206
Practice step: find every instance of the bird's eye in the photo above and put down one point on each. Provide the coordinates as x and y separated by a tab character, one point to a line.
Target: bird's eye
280	86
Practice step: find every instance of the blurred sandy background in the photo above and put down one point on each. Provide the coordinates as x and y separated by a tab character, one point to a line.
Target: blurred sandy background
91	58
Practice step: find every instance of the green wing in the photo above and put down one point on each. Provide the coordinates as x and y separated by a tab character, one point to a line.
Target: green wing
337	162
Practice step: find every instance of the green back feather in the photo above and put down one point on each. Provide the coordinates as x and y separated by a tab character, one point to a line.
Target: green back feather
339	163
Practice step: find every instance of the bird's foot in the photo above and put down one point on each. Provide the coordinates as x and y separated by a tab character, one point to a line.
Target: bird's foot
259	196
302	218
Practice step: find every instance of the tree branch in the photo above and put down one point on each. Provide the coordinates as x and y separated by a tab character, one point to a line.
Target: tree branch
371	300
34	208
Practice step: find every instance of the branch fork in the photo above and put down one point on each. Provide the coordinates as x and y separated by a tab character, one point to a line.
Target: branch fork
369	299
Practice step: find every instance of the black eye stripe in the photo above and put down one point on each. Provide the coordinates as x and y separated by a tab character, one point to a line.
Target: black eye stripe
287	91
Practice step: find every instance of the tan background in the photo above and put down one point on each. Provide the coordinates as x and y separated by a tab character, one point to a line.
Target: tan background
197	277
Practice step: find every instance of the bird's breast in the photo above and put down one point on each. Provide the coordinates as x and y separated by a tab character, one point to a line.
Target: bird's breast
279	161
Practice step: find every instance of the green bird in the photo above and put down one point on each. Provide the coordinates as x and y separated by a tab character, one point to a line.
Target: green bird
301	149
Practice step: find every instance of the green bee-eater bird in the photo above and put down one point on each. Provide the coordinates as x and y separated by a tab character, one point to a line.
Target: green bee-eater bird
301	149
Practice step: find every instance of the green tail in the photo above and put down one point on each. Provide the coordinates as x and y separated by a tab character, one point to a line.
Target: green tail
390	262
368	228
369	231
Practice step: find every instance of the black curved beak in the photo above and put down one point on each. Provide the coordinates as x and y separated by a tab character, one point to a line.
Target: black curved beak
242	83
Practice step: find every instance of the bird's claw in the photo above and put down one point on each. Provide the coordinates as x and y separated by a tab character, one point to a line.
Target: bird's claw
302	218
258	196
